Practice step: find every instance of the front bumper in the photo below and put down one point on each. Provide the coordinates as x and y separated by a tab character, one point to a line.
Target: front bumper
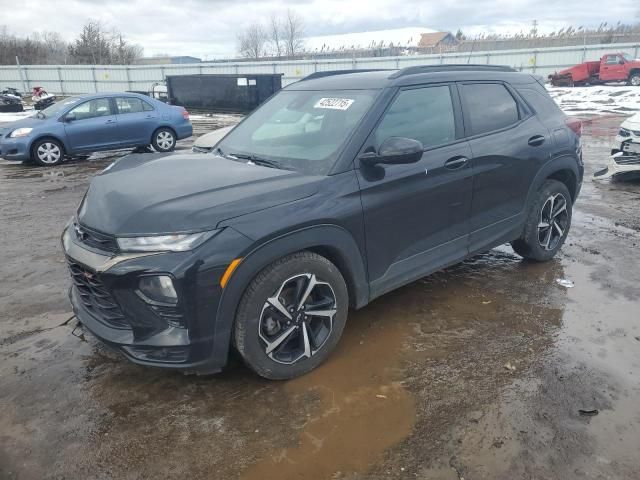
14	148
190	337
619	164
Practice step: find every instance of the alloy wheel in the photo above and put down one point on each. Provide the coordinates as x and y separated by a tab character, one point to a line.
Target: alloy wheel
635	80
49	153
554	221
296	321
164	140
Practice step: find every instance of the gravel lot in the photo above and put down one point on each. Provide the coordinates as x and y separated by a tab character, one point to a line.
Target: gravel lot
477	372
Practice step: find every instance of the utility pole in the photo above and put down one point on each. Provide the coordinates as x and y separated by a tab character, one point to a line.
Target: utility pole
24	84
534	29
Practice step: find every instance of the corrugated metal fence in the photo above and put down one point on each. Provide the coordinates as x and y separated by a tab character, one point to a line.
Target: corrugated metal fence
72	79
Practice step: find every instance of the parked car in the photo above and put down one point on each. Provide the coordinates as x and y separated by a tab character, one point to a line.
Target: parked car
612	67
205	143
89	123
624	161
267	242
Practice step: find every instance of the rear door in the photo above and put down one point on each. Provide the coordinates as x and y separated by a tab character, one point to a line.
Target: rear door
91	125
416	215
137	120
508	145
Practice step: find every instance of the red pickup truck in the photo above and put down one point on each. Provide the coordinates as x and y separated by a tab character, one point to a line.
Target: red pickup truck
612	67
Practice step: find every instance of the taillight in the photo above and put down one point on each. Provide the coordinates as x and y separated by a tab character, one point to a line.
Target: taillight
575	125
185	114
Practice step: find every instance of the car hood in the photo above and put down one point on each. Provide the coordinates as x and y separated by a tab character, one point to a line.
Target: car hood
153	193
23	122
632	123
208	140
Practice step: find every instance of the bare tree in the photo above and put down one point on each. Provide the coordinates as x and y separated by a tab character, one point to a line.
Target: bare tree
293	33
252	41
275	35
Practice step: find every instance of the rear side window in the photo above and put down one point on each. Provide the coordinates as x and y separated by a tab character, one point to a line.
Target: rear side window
489	106
129	105
424	114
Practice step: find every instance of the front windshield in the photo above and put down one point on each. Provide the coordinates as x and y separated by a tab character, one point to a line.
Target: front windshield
627	57
57	107
300	130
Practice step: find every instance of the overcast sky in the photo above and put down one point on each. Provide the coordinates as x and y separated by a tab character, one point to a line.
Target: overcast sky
208	28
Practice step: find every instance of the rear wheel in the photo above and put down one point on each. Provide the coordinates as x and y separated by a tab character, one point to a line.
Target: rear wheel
164	140
291	316
547	224
47	152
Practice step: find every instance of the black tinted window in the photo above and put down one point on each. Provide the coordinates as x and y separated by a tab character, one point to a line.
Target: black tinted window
489	106
424	114
543	104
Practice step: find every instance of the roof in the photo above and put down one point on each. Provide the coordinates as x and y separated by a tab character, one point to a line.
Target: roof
379	79
432	39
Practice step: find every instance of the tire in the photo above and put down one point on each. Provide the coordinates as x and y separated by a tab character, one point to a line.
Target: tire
278	346
47	152
164	140
545	232
634	80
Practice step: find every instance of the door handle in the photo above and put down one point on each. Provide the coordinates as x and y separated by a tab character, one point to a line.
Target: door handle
536	140
110	121
456	162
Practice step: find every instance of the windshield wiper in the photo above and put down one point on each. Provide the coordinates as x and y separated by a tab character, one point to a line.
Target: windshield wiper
259	161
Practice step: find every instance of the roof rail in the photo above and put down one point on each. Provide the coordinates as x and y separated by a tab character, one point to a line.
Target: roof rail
451	67
331	73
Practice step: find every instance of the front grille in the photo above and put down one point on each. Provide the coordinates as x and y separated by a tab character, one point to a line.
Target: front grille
95	239
627	159
95	297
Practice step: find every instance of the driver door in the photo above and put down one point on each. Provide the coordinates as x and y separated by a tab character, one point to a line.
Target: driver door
92	126
416	215
612	69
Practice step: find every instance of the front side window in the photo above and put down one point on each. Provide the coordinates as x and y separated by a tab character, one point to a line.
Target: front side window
300	130
424	114
93	108
130	105
489	106
612	60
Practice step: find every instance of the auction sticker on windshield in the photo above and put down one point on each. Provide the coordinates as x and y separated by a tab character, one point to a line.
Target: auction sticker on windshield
334	103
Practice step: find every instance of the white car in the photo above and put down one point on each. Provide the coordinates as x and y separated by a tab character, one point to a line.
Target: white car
625	154
206	142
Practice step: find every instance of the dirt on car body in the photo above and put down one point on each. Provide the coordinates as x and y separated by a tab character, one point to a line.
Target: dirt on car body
479	371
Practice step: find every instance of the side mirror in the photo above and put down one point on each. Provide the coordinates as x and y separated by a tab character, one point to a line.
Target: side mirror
394	151
69	117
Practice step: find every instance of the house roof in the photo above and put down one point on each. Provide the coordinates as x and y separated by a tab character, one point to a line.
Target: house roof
432	39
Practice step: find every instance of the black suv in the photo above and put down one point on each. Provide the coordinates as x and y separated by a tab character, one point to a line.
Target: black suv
341	187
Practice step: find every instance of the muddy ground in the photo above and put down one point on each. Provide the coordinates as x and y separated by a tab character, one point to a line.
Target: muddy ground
478	372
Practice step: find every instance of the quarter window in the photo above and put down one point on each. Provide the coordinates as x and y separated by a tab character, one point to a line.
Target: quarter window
489	106
424	114
93	108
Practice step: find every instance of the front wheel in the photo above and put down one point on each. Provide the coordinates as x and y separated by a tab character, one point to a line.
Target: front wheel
164	140
291	316
547	224
47	152
635	80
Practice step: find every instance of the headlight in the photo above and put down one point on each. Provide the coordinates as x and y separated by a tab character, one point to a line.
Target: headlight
21	132
165	243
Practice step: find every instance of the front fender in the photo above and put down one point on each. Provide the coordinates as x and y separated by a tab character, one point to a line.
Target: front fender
333	241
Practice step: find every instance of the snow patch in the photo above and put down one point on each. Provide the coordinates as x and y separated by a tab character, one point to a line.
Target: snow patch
597	100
